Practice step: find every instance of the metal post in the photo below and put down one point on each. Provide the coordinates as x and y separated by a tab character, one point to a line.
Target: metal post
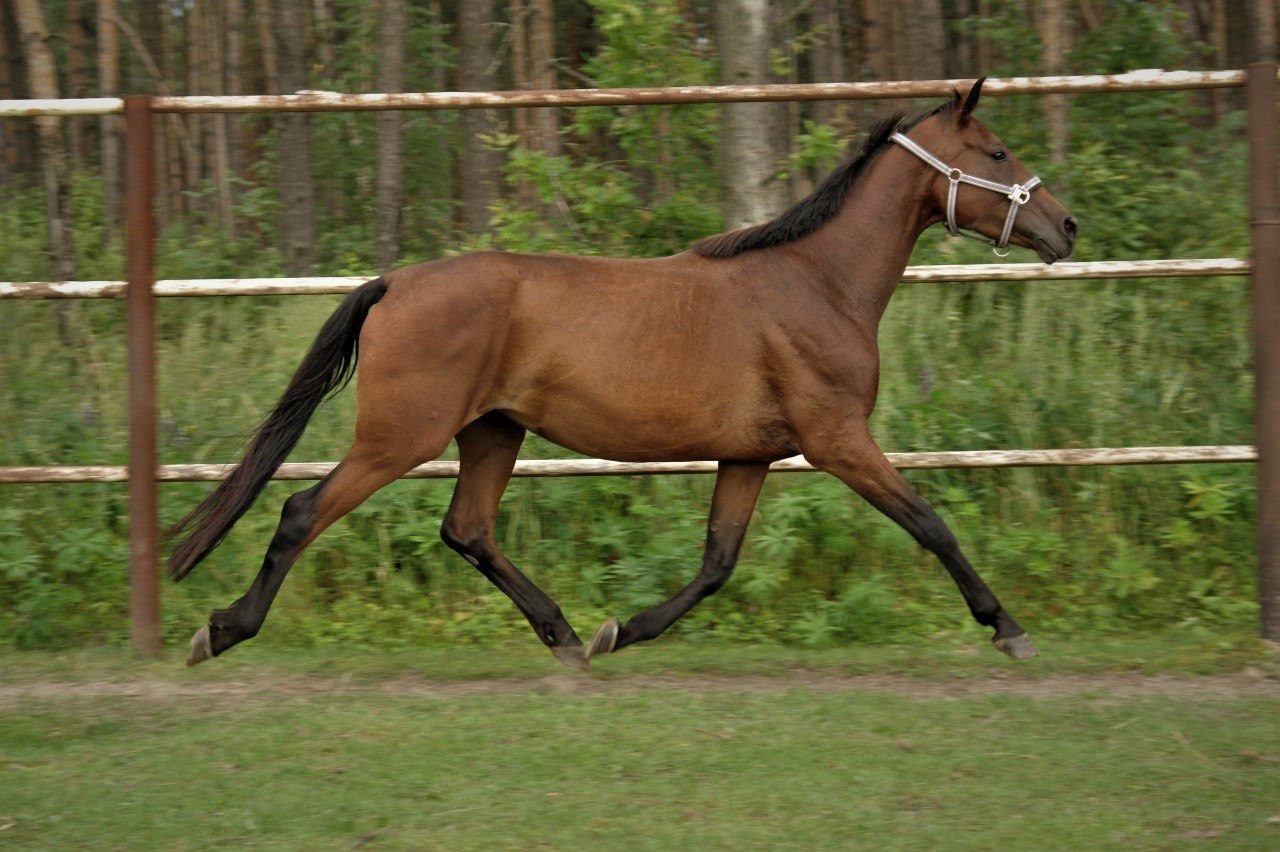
1265	216
139	183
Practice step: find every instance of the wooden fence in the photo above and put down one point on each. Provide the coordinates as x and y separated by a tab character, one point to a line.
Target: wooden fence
143	472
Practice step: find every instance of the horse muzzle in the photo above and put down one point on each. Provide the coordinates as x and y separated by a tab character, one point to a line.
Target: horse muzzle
1057	246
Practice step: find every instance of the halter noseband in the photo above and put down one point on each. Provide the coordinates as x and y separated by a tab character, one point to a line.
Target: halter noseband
1018	195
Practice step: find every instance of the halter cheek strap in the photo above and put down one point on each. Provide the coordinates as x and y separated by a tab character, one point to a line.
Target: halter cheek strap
1018	194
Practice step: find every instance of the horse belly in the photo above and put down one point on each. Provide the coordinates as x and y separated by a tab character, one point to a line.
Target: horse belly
654	418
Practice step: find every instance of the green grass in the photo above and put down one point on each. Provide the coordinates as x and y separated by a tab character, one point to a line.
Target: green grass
519	656
965	367
733	749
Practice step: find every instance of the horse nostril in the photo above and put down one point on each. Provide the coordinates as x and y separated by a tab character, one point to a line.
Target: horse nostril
1069	225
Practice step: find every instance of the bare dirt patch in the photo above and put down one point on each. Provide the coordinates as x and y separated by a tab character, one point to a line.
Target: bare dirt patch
271	686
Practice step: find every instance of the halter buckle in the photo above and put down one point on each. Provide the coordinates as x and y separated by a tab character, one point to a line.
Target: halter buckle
1019	194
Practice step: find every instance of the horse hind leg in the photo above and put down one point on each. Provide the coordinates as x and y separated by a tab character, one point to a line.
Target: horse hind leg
487	450
305	516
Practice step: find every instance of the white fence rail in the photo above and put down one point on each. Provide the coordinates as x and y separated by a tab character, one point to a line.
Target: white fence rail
1143	80
600	467
1067	271
1259	81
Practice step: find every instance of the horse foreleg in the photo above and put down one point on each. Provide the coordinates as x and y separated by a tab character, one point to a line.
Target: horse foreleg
487	451
737	488
305	515
861	465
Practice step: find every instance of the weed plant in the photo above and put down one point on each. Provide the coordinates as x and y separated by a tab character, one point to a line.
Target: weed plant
966	366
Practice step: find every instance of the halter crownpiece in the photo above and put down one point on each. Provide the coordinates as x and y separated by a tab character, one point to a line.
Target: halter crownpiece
1018	195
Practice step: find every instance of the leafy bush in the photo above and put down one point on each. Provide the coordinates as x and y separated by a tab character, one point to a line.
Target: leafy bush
971	366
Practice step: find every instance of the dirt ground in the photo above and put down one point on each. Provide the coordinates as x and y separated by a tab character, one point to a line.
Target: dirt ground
273	686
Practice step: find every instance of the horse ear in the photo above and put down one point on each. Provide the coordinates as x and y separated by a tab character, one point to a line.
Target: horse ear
971	102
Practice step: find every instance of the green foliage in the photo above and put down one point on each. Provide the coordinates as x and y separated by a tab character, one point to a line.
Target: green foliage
973	366
55	579
660	194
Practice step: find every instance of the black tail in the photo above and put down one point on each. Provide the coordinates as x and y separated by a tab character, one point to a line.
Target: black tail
325	370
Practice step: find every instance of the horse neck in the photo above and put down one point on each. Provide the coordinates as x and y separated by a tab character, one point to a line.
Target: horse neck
864	249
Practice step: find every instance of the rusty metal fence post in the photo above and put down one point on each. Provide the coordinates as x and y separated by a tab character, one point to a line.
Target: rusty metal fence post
1261	88
1265	229
144	525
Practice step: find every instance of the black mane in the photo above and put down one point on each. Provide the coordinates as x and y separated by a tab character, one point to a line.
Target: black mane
811	213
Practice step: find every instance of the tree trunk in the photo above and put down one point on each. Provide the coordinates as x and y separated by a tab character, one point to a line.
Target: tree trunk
1262	15
194	153
326	55
877	49
176	139
148	41
522	118
219	138
828	61
268	68
542	73
78	82
1217	15
109	86
476	64
233	84
296	187
267	46
893	15
438	61
391	29
748	161
15	133
783	31
921	26
42	82
1055	37
520	62
962	60
986	50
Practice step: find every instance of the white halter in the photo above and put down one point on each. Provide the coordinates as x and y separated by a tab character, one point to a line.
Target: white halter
1018	195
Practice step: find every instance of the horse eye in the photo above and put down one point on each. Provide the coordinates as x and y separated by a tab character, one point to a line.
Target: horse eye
998	156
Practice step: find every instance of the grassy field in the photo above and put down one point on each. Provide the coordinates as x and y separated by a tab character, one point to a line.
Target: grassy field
1147	743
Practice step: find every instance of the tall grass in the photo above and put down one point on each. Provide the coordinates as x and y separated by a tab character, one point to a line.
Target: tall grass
967	366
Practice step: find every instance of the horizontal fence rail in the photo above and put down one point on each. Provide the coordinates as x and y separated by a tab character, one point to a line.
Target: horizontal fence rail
1065	271
1091	457
1144	80
1260	82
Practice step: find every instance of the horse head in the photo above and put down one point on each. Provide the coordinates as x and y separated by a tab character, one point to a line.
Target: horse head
983	187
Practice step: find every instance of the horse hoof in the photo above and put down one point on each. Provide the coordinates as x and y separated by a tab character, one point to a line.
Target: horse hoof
1019	647
572	656
605	640
201	647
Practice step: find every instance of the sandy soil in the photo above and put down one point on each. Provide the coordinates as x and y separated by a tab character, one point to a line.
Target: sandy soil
273	686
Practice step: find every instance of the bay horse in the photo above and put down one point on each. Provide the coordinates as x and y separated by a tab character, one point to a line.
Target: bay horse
752	346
